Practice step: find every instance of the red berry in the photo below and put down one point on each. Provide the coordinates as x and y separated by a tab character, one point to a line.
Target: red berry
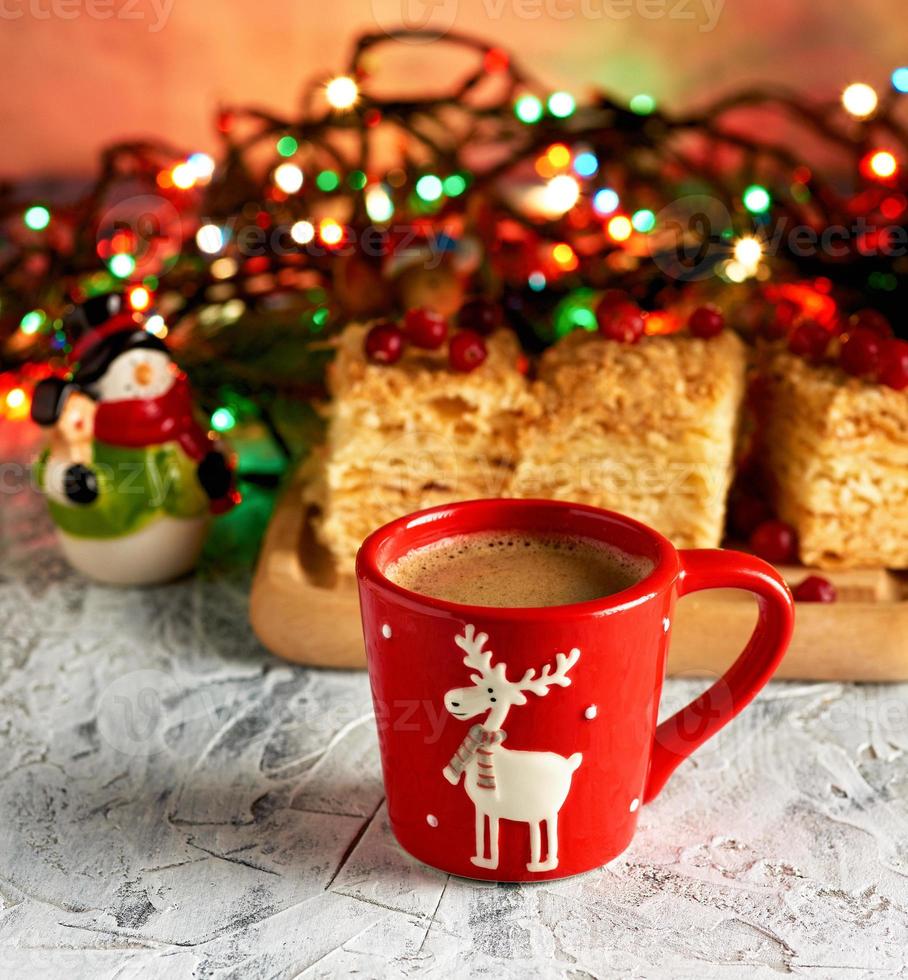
612	298
860	352
706	321
480	315
871	320
814	588
783	317
747	513
425	328
774	541
894	364
467	350
384	343
622	323
809	339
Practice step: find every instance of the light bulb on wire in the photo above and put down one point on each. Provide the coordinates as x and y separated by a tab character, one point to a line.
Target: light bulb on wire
139	298
210	239
880	163
605	201
342	92
756	199
330	232
748	253
561	104
429	188
560	194
155	325
302	232
183	176
288	177
379	205
860	100
620	228
528	109
122	265
32	322
15	398
565	256
37	217
201	166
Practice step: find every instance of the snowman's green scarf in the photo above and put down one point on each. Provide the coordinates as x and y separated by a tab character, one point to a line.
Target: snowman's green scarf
135	485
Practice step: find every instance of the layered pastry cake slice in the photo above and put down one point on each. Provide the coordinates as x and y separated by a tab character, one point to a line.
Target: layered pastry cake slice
836	450
414	434
647	429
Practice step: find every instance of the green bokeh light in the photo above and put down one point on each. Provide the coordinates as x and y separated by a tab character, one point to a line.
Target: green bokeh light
37	217
379	205
577	311
429	187
287	146
222	419
528	109
454	185
122	265
756	199
32	322
643	220
327	181
561	104
642	104
885	281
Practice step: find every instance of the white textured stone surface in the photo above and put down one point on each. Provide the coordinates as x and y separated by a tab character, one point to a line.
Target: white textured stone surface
175	802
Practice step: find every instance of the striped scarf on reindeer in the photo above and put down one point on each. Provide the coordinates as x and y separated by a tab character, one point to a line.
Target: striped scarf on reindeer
478	744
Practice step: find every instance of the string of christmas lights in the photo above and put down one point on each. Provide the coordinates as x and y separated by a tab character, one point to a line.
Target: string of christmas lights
250	257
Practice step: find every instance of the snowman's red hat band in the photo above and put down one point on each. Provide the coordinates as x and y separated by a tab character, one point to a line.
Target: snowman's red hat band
121	321
98	357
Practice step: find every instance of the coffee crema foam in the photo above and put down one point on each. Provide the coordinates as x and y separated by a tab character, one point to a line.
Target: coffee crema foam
518	569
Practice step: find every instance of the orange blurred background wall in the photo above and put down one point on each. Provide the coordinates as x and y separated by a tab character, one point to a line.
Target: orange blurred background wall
79	73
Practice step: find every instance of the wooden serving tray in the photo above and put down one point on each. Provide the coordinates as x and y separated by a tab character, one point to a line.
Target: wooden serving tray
302	611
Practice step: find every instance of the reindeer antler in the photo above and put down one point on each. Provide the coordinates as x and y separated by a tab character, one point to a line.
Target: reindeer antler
472	643
540	685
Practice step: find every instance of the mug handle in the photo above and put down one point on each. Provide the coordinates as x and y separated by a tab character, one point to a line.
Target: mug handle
677	737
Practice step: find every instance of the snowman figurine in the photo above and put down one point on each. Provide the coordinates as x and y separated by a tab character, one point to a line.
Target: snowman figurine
131	477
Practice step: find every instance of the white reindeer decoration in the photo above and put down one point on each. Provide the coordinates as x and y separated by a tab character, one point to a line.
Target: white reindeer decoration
529	787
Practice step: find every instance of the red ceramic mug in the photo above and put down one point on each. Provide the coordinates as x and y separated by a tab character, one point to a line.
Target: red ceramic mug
575	688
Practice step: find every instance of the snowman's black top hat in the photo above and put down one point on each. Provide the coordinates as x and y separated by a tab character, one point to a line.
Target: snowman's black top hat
108	329
95	312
